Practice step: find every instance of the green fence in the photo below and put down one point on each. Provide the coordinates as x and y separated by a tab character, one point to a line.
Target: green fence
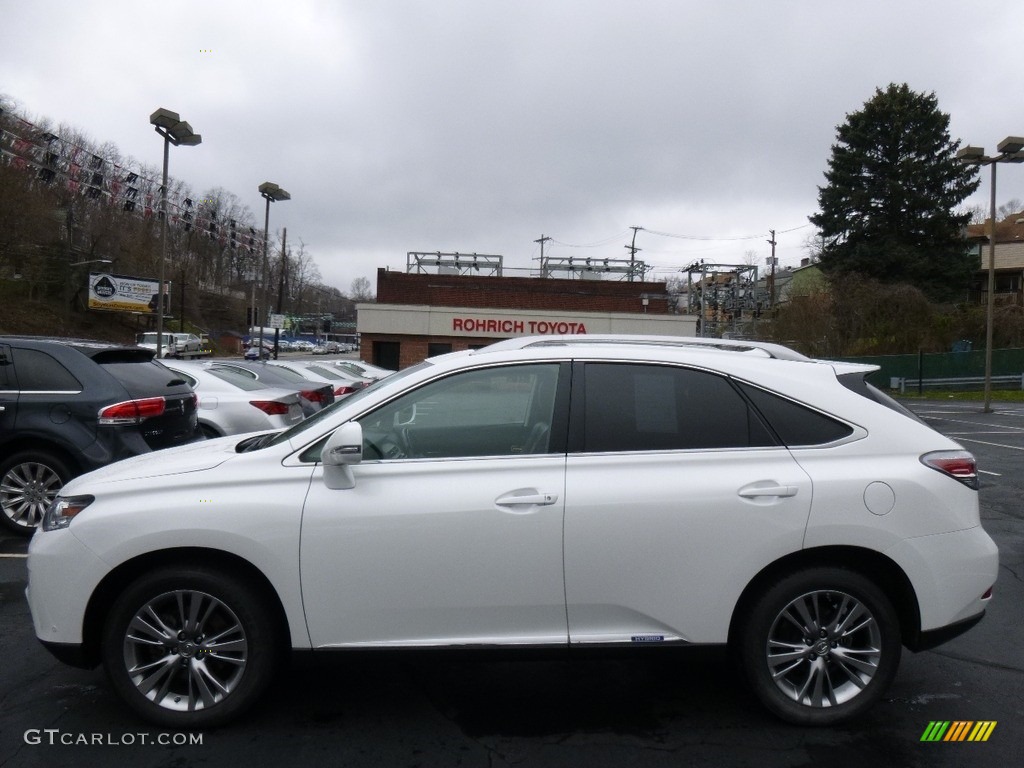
942	365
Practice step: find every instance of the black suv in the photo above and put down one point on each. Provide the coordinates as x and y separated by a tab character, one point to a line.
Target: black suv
69	406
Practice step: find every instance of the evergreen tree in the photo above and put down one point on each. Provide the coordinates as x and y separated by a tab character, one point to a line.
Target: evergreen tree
893	186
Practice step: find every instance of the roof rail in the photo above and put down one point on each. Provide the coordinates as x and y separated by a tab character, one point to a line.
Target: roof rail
768	349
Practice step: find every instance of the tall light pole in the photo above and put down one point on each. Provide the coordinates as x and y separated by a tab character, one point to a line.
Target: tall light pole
1009	152
272	193
177	132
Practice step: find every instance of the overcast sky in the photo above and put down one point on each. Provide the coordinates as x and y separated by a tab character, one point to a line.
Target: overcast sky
480	125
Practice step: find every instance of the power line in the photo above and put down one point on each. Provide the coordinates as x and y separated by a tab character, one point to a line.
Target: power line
721	239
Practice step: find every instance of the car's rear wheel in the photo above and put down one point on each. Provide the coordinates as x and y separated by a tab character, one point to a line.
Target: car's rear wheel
29	482
821	646
190	647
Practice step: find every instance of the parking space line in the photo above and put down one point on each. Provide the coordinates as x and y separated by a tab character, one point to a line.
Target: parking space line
13	556
994	426
986	472
997	445
979	433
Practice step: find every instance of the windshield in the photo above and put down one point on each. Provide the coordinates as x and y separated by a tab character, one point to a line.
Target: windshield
315	419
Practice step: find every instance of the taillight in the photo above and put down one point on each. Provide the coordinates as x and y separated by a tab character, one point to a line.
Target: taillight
271	407
960	465
343	390
132	411
314	396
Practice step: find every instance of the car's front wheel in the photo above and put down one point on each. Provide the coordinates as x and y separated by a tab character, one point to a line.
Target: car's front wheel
190	647
821	646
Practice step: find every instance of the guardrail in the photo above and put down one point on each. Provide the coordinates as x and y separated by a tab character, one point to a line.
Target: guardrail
955	382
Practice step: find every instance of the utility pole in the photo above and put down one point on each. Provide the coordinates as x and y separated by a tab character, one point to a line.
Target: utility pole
280	288
543	264
632	253
771	277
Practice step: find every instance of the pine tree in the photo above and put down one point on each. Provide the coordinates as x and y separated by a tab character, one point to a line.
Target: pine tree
888	211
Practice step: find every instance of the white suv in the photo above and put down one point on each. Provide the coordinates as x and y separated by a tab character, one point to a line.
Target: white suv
567	492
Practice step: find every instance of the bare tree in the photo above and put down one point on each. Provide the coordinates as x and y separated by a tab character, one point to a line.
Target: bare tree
361	290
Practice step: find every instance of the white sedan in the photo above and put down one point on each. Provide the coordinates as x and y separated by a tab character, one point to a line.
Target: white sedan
232	404
538	493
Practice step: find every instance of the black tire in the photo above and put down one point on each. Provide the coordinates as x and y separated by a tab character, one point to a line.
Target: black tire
820	646
29	481
209	432
205	672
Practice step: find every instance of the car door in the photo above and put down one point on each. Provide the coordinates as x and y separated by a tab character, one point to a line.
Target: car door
8	392
676	495
452	533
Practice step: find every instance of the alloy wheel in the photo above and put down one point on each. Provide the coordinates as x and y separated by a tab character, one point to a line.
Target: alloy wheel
185	650
26	490
823	648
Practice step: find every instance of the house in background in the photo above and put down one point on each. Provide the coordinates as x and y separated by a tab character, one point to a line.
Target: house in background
1009	260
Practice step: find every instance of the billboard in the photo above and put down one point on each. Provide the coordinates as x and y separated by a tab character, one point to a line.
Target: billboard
124	293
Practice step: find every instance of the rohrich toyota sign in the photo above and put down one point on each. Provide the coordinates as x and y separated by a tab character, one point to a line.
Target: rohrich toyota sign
421	321
515	327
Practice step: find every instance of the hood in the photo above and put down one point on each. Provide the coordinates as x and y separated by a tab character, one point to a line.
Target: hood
194	457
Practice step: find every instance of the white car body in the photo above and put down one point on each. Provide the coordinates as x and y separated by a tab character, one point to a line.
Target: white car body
536	548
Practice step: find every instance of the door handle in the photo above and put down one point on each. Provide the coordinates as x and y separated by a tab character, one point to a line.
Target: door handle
754	491
530	499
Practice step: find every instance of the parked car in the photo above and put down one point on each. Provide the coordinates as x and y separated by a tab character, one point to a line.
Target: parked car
68	406
313	395
230	403
362	370
148	341
343	383
174	344
541	492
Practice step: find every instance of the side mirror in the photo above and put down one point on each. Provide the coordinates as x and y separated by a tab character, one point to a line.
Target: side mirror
345	446
342	449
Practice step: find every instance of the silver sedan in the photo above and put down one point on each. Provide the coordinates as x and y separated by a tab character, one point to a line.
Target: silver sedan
231	404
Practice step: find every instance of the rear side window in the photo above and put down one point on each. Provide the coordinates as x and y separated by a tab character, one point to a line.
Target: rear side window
240	371
796	424
857	382
630	407
236	379
145	378
37	371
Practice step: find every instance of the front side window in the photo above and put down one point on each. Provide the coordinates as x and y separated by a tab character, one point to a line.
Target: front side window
643	407
506	411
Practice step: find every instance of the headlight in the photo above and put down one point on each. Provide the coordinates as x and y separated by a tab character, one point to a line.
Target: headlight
62	510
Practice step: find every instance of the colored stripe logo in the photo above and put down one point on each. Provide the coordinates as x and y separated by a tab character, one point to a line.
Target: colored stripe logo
958	730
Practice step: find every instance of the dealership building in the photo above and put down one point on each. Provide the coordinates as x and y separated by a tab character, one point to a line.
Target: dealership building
420	314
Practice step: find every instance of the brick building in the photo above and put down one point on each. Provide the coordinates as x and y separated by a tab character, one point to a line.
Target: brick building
420	315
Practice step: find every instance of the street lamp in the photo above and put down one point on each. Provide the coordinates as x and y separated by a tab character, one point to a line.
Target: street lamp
1009	152
177	132
272	193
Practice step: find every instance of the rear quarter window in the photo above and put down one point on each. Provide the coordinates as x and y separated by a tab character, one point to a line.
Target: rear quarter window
795	424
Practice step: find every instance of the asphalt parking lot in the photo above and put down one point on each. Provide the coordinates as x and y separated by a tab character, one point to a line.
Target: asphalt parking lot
667	710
